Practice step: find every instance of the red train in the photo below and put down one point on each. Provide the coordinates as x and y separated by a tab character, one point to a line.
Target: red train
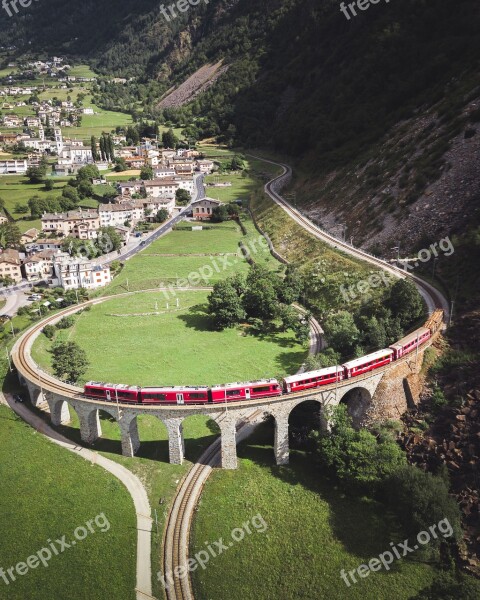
265	388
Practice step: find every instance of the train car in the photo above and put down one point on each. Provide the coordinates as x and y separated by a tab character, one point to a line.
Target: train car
410	342
112	393
313	379
174	395
367	363
231	392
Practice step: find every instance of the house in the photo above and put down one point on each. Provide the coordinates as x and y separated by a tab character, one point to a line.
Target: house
75	273
153	205
68	223
9	139
129	188
32	122
185	183
29	236
161	187
205	166
39	266
3	219
203	209
13	167
164	172
12	121
10	265
44	244
113	215
135	162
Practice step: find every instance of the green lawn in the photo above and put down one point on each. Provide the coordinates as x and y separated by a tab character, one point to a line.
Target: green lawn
176	347
148	269
47	492
313	531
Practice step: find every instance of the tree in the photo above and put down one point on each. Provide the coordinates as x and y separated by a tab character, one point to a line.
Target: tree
326	358
146	173
108	240
420	499
49	331
69	361
225	305
120	164
342	333
357	458
49	185
447	586
87	173
103	152
169	139
95	154
219	214
36	174
10	235
405	302
260	299
182	197
161	216
71	193
237	164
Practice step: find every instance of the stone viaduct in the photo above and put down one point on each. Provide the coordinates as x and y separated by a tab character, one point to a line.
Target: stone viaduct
385	393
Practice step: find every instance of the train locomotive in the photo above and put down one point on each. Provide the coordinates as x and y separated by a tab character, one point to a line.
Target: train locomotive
265	388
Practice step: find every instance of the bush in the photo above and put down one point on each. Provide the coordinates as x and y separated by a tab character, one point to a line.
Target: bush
49	331
66	322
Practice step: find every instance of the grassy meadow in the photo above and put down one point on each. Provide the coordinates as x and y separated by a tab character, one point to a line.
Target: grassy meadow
176	347
44	496
313	531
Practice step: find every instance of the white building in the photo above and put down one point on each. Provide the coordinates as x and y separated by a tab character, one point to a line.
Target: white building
75	273
13	167
161	187
113	215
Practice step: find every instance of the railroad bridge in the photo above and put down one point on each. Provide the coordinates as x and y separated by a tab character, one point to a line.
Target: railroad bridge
363	396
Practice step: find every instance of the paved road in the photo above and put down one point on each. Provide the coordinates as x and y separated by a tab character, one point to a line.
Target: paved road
14	302
129	480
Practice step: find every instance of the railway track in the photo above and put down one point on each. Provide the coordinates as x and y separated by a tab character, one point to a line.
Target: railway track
176	535
177	532
432	296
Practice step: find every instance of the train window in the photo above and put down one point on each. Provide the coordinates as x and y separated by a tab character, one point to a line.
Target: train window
259	390
231	393
197	396
154	397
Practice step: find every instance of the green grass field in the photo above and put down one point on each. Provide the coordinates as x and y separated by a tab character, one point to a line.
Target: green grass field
313	531
177	346
45	495
15	189
149	269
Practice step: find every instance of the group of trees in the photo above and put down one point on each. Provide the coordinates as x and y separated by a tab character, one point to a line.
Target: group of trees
107	151
37	174
262	297
76	190
372	463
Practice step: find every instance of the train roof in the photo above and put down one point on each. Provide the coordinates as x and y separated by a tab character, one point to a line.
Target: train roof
365	359
312	374
178	388
236	384
112	386
410	337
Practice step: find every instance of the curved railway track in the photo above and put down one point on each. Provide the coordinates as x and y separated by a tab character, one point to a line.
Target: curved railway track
176	535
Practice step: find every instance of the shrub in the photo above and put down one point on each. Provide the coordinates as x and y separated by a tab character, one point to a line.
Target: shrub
49	331
66	322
